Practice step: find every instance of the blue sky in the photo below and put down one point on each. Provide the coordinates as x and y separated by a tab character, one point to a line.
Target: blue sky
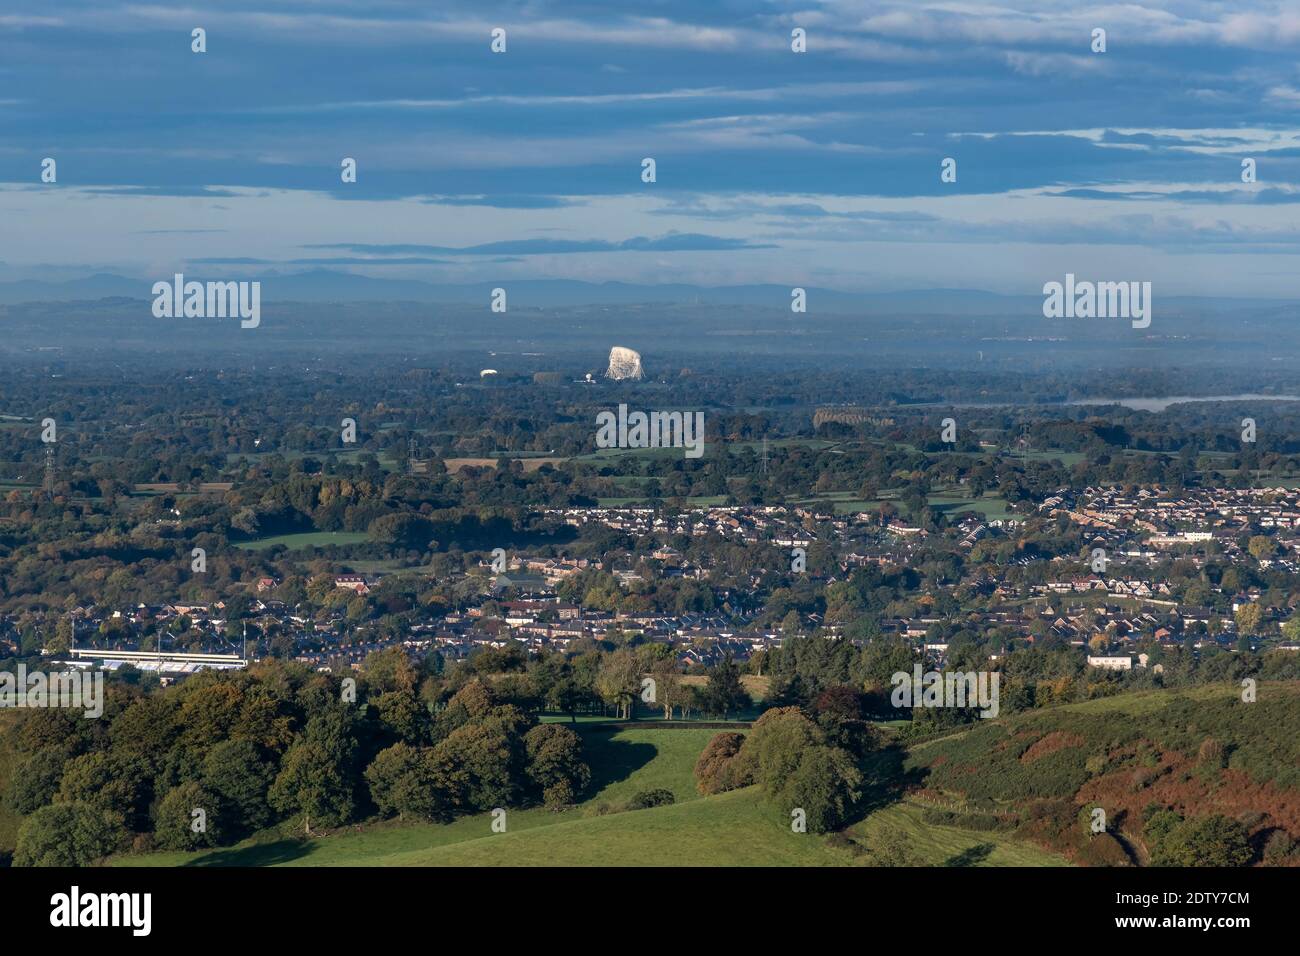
819	168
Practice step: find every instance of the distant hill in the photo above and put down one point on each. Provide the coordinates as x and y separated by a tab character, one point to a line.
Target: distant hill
332	285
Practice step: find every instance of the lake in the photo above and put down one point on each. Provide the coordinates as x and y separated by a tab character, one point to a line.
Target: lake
1160	404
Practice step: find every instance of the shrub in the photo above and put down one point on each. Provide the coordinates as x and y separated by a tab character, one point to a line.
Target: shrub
1210	752
713	770
1205	841
1159	824
651	798
967	821
1278	848
889	848
1102	849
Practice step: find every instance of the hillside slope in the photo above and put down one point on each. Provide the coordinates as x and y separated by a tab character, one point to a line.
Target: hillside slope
1201	753
731	829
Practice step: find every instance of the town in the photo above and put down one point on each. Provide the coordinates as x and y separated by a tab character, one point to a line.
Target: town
1111	613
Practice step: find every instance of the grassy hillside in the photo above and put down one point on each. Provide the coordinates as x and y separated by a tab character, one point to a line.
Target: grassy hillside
939	845
1199	753
731	829
623	762
1000	793
735	829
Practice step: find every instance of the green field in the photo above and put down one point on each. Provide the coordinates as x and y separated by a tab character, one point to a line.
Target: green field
731	829
709	501
651	454
936	845
305	539
990	506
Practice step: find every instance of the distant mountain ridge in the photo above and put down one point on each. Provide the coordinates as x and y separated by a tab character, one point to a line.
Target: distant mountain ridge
328	285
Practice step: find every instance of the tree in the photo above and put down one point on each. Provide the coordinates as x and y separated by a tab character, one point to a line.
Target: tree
403	714
146	728
566	696
403	781
35	781
235	771
68	834
318	774
724	692
481	765
389	670
619	680
791	624
1291	629
177	827
112	781
555	765
840	712
772	747
669	692
825	784
1248	618
713	772
312	782
1261	546
788	755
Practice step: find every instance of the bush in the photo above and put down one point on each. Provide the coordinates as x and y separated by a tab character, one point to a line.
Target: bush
1279	848
1205	841
1102	849
651	798
890	848
713	771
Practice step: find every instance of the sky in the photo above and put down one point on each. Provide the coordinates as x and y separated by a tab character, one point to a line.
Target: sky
819	168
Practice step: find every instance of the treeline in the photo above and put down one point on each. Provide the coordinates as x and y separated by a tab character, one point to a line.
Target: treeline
222	756
1031	677
605	678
